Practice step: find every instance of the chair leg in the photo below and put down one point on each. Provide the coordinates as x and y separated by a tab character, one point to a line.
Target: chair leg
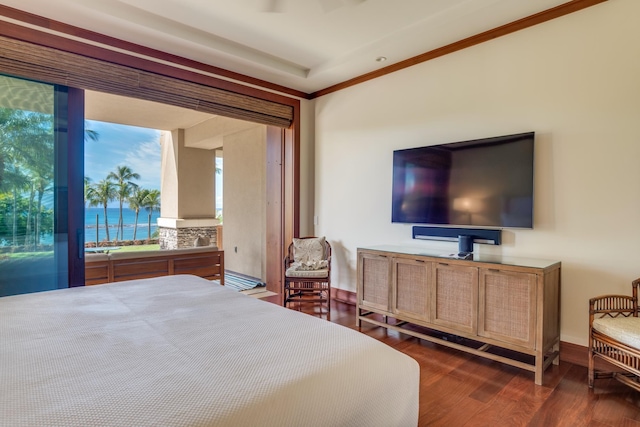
591	361
591	374
285	296
328	291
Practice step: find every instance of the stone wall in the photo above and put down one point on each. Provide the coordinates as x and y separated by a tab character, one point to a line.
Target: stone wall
177	238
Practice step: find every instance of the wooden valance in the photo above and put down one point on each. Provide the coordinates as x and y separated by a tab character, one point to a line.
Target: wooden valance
23	59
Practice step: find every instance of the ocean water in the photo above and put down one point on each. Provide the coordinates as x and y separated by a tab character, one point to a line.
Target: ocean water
128	219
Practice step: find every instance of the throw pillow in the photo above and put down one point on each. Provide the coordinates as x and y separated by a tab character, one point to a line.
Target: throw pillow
308	250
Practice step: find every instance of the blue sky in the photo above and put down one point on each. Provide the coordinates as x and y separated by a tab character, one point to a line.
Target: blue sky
136	147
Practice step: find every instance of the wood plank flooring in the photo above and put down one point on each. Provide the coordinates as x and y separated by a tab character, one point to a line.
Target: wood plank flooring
459	389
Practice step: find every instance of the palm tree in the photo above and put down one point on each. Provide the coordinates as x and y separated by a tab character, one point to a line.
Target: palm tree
151	203
43	185
136	202
102	193
87	185
17	182
26	148
87	192
122	177
90	134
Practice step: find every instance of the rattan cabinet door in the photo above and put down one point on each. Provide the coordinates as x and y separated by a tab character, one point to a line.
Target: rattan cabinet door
454	297
410	291
508	307
374	281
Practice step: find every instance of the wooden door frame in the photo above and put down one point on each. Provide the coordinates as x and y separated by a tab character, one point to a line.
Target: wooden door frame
283	198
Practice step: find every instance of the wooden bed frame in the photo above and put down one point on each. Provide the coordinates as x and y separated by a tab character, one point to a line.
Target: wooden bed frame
205	262
602	346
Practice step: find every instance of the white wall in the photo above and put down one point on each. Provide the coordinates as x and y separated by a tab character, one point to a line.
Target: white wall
575	81
187	187
307	167
244	201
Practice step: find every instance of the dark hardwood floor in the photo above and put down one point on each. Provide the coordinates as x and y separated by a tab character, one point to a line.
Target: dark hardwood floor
459	389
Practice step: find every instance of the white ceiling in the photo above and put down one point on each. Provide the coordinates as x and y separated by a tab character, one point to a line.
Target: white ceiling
307	45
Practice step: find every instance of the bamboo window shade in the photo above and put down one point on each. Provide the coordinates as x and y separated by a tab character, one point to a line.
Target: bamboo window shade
24	59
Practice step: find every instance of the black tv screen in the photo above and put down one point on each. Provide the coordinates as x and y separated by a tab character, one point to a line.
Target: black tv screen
485	182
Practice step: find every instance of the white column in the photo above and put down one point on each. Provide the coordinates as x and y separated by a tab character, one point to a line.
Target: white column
187	192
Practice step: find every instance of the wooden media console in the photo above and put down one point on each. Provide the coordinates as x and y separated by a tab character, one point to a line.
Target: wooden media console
504	309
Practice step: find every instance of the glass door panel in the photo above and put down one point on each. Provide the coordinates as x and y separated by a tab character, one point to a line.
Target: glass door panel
33	252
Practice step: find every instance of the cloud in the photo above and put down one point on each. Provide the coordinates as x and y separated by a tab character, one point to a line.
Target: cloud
144	159
117	145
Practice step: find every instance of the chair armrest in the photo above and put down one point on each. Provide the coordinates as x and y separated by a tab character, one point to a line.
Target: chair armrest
287	262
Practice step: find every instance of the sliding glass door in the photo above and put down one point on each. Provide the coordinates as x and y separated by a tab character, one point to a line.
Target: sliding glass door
34	187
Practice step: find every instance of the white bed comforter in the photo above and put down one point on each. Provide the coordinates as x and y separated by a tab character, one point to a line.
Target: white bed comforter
181	351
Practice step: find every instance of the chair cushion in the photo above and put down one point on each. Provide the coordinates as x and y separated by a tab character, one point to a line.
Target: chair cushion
319	274
311	265
311	249
623	329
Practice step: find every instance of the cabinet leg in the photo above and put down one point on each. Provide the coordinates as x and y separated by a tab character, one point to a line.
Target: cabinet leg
539	368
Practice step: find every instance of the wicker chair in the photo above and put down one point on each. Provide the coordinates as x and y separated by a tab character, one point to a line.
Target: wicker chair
614	336
308	280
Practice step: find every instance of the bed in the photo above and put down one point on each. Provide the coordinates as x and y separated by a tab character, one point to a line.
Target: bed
182	351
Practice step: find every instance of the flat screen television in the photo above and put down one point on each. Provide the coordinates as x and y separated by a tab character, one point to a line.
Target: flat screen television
479	183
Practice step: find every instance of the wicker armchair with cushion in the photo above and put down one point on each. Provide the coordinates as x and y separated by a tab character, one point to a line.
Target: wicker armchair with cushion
614	336
307	272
